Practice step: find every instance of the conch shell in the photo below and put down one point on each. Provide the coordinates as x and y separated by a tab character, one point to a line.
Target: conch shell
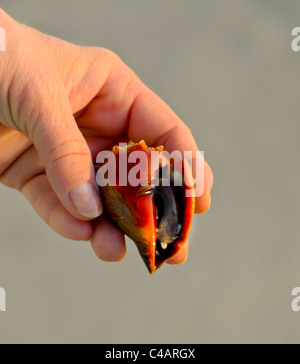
156	217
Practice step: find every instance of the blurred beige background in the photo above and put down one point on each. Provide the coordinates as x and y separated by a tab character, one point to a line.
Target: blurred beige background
228	70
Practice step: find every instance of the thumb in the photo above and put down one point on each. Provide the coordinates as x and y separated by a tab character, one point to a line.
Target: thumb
67	158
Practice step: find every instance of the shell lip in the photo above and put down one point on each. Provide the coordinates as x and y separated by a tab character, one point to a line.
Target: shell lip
185	211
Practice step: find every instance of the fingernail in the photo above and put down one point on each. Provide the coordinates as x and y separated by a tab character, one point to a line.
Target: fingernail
86	200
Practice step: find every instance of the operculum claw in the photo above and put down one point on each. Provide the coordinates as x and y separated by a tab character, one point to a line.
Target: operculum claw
145	190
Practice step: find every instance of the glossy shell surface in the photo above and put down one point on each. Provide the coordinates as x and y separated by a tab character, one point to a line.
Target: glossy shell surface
135	213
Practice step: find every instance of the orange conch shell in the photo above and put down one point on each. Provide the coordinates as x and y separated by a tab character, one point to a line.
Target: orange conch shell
135	212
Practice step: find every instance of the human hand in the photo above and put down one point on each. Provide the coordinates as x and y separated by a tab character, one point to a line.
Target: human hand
60	104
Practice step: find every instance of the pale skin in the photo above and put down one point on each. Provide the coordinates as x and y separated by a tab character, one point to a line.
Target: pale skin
60	104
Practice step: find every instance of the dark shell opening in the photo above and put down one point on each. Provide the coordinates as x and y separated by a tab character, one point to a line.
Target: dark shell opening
169	203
